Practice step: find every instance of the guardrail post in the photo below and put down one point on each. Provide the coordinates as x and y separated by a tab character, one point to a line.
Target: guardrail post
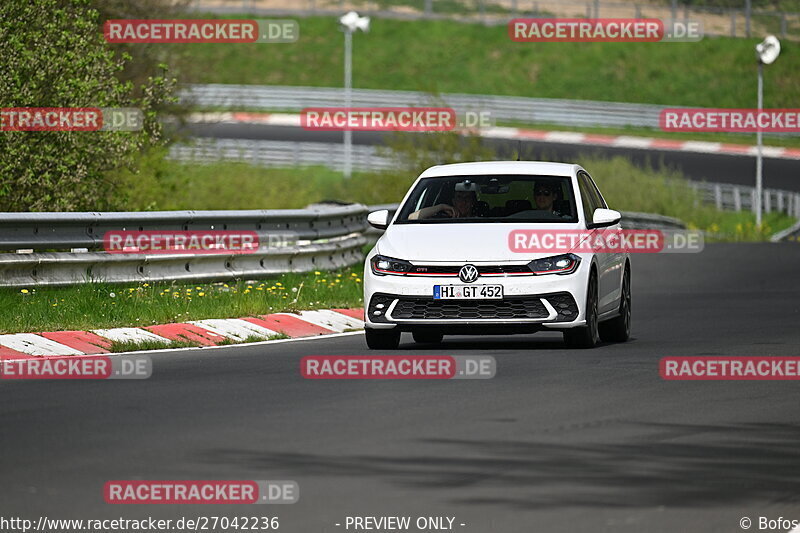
737	199
780	201
748	8
718	196
767	201
753	200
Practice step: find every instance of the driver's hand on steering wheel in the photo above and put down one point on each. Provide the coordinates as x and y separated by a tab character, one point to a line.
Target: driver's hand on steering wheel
447	210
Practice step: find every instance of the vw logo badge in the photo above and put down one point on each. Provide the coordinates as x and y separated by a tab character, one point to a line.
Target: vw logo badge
468	273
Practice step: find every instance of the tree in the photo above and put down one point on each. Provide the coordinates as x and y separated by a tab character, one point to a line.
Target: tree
53	54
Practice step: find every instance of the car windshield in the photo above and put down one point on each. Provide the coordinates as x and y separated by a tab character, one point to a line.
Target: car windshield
490	198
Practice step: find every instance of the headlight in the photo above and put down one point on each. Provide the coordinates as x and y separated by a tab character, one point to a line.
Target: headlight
558	264
382	266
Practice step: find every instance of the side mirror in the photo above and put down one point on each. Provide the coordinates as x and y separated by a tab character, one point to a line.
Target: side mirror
603	218
379	219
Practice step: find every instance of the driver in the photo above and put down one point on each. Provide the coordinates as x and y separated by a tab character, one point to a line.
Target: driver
463	207
545	194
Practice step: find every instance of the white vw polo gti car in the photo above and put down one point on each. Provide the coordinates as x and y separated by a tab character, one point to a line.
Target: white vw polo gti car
446	263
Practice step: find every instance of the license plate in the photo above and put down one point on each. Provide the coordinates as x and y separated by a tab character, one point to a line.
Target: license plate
471	292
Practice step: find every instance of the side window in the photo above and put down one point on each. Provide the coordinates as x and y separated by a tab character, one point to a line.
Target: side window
588	197
600	202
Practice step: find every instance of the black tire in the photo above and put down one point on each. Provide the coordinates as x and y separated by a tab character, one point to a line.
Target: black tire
427	337
587	336
618	329
382	339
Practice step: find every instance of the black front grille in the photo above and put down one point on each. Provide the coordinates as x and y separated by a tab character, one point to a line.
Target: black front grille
428	309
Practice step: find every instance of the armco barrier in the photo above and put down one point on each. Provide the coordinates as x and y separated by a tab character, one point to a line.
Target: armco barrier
518	109
329	237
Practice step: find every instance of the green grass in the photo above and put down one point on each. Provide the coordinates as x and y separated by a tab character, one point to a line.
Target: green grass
627	187
442	56
138	346
96	305
135	346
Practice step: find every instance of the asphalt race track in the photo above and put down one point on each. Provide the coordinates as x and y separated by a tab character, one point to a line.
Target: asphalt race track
560	440
739	170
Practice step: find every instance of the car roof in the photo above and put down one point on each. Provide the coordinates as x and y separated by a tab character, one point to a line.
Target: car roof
530	168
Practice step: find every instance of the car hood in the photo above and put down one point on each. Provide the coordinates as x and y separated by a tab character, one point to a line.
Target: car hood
458	243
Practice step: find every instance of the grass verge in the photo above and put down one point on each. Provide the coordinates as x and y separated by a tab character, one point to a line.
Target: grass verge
137	346
95	306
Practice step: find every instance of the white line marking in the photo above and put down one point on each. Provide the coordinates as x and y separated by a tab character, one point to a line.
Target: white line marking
32	344
130	335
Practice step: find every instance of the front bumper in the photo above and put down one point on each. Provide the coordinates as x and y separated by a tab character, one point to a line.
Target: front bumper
531	302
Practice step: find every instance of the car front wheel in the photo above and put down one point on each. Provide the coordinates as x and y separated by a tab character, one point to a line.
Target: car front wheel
618	329
586	336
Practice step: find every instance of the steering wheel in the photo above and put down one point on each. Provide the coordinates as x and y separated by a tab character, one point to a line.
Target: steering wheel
442	214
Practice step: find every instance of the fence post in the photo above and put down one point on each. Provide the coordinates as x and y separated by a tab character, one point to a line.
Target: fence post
767	201
718	196
737	199
780	201
747	13
753	200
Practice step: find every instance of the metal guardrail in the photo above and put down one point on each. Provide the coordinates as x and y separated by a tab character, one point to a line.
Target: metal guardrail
519	109
279	154
61	231
589	113
339	233
65	268
727	197
322	237
724	21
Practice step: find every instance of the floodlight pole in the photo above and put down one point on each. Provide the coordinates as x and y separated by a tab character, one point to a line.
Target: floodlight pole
759	161
348	82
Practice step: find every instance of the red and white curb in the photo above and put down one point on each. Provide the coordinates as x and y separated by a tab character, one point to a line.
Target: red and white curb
555	137
209	332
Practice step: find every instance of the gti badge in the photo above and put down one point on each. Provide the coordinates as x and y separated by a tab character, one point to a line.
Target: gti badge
468	273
